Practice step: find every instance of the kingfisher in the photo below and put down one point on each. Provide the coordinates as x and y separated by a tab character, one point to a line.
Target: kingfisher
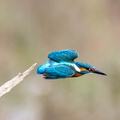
61	64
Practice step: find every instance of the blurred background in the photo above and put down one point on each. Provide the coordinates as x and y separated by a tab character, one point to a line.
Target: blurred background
31	29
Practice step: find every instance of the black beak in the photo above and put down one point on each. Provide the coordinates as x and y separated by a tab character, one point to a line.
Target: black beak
98	72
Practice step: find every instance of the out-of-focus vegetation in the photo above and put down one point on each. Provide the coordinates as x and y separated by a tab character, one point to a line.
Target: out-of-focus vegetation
29	30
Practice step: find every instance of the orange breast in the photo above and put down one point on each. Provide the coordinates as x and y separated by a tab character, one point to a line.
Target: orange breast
77	75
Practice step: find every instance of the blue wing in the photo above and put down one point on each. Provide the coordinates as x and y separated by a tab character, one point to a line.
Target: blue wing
63	55
41	68
58	71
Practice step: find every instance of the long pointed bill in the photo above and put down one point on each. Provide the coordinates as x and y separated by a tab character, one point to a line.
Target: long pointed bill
99	72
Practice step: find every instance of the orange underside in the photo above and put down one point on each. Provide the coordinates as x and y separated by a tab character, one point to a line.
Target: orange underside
77	75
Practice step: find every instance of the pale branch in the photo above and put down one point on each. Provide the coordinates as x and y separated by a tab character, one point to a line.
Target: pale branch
14	81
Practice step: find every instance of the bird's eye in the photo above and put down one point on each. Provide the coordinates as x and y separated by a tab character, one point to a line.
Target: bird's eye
90	69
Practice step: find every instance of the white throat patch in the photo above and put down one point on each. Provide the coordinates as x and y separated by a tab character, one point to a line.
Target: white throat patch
76	68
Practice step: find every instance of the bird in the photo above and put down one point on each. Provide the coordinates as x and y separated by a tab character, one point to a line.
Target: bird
62	64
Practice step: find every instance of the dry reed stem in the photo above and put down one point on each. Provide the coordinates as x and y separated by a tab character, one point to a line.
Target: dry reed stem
5	88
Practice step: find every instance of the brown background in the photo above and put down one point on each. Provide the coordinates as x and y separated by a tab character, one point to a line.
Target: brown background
30	29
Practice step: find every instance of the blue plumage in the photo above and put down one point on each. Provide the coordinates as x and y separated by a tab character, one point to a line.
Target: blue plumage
61	64
41	69
58	71
64	55
84	65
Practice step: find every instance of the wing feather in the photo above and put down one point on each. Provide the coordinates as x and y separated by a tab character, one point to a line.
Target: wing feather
58	71
63	55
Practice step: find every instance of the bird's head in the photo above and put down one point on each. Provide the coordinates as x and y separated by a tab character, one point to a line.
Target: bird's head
87	68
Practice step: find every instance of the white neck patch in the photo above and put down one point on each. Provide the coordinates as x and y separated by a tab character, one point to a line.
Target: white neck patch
76	68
